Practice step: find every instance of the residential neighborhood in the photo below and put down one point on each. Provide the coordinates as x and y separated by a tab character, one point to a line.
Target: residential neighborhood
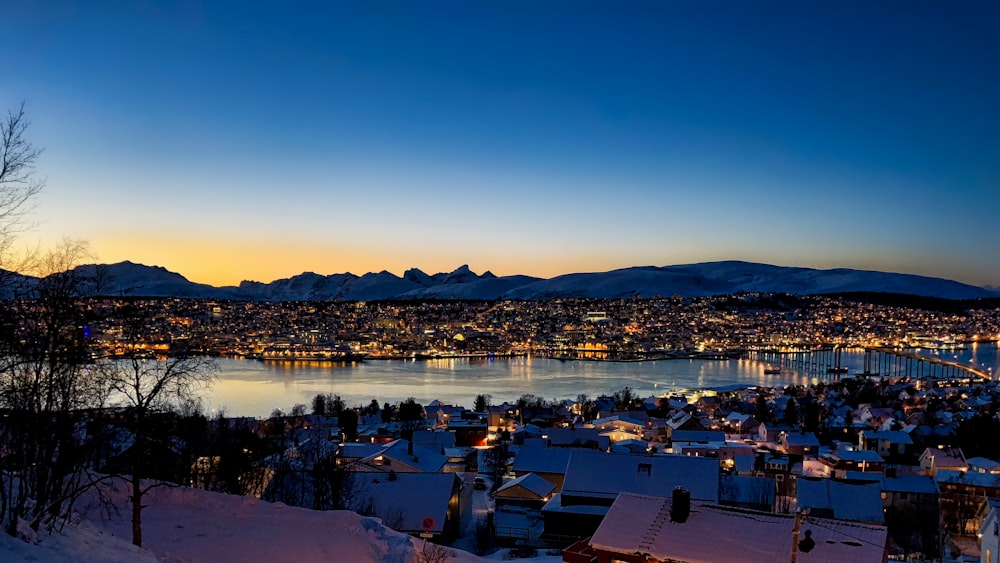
873	470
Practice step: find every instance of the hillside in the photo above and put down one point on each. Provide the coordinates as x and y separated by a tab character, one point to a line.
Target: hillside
183	524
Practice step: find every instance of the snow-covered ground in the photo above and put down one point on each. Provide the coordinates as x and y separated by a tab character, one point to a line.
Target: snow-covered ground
183	524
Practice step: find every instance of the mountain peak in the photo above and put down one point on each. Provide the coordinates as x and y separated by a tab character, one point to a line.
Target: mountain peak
689	280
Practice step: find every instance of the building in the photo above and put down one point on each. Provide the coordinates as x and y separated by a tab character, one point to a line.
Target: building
933	459
518	513
412	503
594	480
643	529
989	533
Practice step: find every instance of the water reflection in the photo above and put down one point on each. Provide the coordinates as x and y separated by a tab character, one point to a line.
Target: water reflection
255	388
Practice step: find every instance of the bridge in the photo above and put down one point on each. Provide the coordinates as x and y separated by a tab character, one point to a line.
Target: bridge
877	362
903	363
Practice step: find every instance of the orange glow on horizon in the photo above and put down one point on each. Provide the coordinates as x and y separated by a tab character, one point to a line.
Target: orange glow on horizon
226	263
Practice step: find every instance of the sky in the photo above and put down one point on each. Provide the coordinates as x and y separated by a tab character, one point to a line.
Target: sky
233	141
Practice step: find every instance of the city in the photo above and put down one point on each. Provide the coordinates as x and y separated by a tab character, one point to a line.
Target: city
621	330
906	461
445	281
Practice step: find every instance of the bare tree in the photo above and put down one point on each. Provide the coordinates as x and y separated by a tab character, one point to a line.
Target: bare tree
145	387
18	184
45	387
433	553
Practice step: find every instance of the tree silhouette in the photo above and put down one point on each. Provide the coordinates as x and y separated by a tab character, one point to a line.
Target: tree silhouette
144	387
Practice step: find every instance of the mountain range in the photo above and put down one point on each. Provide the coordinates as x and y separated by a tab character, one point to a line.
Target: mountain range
689	280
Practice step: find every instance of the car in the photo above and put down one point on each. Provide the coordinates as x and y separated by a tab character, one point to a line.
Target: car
479	484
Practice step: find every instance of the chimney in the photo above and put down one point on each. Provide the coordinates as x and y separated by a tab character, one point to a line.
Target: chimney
680	505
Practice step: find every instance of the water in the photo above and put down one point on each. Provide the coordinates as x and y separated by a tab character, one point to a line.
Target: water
253	388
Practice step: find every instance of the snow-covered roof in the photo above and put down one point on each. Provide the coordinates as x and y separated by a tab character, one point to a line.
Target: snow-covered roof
983	464
714	534
801	439
542	460
602	476
737	418
873	476
904	483
870	456
424	459
532	483
849	501
892	436
404	502
973	478
568	436
946	457
698	436
354	450
616	419
434	439
555	505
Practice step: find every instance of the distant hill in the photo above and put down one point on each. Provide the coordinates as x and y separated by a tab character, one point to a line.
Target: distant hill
689	280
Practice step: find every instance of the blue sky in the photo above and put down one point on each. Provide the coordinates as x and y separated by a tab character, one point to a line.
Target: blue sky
231	141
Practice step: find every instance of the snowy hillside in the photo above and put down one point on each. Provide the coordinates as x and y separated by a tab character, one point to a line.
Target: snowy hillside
690	280
183	524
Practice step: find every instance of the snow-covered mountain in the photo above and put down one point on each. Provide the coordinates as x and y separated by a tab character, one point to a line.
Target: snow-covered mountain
689	280
720	278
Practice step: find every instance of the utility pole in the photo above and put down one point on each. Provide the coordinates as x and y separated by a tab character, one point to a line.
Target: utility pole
795	534
805	545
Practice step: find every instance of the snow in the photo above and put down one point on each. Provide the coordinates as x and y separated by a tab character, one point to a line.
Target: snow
641	524
596	475
182	524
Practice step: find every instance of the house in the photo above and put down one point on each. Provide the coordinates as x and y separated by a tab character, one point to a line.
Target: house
412	503
888	443
643	529
962	496
440	414
461	460
594	479
843	500
526	490
989	533
547	463
682	438
399	456
497	419
576	437
874	417
434	439
771	432
799	443
911	502
680	420
853	464
621	424
933	459
708	403
983	465
634	447
469	433
518	515
740	423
